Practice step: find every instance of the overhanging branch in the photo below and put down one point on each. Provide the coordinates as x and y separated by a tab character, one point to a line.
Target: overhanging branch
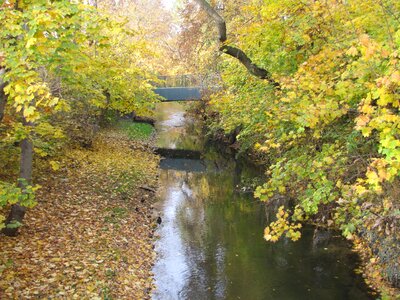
216	17
247	62
233	51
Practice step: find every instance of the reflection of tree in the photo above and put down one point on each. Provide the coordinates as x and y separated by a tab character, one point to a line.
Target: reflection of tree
188	135
222	235
221	231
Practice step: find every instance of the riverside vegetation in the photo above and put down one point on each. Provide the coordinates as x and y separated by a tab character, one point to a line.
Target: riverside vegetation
67	72
323	115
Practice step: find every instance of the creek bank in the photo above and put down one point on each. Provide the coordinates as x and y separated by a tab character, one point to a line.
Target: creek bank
379	264
90	236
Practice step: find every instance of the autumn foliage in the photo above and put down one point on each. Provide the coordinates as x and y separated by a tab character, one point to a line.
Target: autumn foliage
329	135
66	68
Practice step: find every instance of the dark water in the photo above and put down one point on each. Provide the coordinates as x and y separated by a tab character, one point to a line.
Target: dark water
211	244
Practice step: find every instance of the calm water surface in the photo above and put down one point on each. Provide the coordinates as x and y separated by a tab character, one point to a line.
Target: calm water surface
210	242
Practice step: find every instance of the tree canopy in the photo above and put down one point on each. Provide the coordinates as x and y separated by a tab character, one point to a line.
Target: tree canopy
330	133
64	65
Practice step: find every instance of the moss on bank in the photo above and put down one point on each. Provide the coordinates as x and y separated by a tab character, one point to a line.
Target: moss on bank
136	131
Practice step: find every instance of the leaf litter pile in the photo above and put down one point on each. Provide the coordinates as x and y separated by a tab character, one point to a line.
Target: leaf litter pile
90	236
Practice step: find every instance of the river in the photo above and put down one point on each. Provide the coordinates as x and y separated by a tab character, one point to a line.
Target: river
211	244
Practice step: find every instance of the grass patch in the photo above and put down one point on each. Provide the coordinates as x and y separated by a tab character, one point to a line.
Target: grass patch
116	214
136	131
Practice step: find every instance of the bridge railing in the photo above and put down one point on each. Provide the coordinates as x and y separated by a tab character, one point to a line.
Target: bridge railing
208	81
179	81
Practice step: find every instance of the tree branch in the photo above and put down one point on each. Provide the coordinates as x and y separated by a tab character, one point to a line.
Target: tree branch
247	62
233	51
216	17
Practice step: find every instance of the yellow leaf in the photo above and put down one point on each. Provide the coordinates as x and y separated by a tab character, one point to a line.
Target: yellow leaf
55	165
29	111
30	42
362	120
91	287
352	51
268	237
396	77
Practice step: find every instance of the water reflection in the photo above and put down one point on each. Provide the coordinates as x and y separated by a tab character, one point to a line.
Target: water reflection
174	131
183	164
211	245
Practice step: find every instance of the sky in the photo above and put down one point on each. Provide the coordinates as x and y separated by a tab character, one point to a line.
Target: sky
169	3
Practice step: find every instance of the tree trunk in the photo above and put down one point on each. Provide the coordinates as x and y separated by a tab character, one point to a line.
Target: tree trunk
104	110
17	212
3	96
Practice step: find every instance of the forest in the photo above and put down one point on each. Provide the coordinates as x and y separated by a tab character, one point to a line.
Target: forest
309	91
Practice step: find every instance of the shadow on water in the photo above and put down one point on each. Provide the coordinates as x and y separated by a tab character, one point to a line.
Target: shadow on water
211	244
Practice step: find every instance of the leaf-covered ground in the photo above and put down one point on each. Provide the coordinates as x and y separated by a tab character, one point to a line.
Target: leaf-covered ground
90	236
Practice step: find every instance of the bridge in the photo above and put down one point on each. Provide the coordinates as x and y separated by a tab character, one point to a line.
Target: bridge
179	88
